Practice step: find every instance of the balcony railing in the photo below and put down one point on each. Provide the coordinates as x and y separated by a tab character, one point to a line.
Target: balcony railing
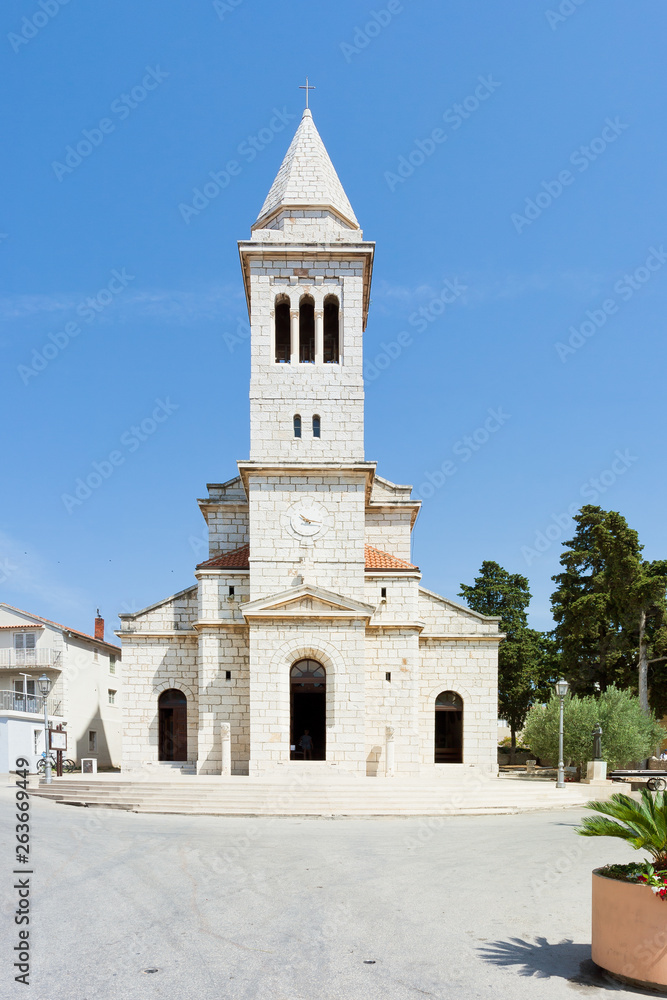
12	701
41	657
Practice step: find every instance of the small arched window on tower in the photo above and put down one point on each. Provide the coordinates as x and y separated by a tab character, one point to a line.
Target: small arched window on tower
282	331
297	425
316	426
331	336
307	330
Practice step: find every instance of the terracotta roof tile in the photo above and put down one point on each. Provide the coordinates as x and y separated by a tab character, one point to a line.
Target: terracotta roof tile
239	559
377	559
236	559
15	627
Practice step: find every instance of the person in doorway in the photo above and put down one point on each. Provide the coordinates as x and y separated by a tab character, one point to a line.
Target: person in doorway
306	744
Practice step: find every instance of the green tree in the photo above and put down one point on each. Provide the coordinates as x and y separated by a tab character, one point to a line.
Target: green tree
525	656
628	733
610	608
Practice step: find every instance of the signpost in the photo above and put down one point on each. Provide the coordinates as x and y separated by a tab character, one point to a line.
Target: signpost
58	742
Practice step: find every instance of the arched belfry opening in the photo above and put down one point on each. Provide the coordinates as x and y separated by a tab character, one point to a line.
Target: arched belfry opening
283	338
308	710
172	725
307	330
448	728
331	334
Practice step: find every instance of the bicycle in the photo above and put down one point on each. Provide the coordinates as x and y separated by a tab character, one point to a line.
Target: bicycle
69	766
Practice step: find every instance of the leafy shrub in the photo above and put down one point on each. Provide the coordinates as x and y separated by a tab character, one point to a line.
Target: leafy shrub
628	734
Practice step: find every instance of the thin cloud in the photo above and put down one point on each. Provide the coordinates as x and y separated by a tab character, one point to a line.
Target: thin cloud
483	287
167	305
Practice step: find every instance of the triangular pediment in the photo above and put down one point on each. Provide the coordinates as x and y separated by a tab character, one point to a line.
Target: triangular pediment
306	602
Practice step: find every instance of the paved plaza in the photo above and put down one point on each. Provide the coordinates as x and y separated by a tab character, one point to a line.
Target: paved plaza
285	909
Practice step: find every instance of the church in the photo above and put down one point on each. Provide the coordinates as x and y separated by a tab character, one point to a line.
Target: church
308	643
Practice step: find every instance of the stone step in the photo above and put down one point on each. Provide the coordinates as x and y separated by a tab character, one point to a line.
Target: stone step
250	797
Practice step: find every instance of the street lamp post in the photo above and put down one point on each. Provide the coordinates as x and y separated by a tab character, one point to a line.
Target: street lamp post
561	691
44	688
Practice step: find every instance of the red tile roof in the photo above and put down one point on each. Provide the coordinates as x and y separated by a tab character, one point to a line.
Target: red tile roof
27	625
377	559
236	559
73	631
239	559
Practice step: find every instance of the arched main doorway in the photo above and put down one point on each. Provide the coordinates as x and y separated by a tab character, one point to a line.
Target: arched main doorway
308	709
172	725
448	728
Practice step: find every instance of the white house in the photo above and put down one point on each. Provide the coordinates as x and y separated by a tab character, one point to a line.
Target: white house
85	695
308	635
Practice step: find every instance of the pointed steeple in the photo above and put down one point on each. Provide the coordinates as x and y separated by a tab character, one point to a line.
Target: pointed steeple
307	181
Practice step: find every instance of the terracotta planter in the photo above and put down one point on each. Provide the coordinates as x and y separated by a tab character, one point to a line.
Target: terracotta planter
630	932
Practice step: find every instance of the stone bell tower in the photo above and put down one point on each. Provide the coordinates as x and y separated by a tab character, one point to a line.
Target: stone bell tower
307	274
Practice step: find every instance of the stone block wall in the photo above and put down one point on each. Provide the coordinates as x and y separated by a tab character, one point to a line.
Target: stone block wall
334	392
340	648
223	699
390	531
278	557
215	602
393	702
470	668
152	665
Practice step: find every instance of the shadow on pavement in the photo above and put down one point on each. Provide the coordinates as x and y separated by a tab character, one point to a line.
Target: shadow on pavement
563	960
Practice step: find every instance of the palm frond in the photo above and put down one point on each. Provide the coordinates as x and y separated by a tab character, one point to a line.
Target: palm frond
642	824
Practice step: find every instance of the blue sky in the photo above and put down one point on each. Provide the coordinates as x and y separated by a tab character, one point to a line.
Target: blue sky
539	199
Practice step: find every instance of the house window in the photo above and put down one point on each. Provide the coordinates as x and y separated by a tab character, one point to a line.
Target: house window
24	647
387	676
331	336
282	332
92	741
37	740
307	330
112	697
383	592
112	664
29	687
231	591
228	675
316	426
297	425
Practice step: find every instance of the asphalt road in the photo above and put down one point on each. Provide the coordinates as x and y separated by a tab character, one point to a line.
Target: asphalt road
263	909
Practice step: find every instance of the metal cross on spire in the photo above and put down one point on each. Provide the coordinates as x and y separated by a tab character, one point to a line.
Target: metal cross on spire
306	88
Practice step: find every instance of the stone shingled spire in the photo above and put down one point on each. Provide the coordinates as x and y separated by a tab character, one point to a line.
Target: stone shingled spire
307	179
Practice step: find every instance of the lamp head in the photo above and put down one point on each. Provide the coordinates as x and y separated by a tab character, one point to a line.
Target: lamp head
561	687
44	683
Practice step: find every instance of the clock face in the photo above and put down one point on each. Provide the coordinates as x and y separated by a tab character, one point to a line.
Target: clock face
307	519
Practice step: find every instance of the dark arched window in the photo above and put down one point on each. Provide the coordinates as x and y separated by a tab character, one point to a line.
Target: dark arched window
297	425
282	333
448	728
307	330
331	335
316	426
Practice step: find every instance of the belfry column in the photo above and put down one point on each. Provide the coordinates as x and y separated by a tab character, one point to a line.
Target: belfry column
319	345
294	334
